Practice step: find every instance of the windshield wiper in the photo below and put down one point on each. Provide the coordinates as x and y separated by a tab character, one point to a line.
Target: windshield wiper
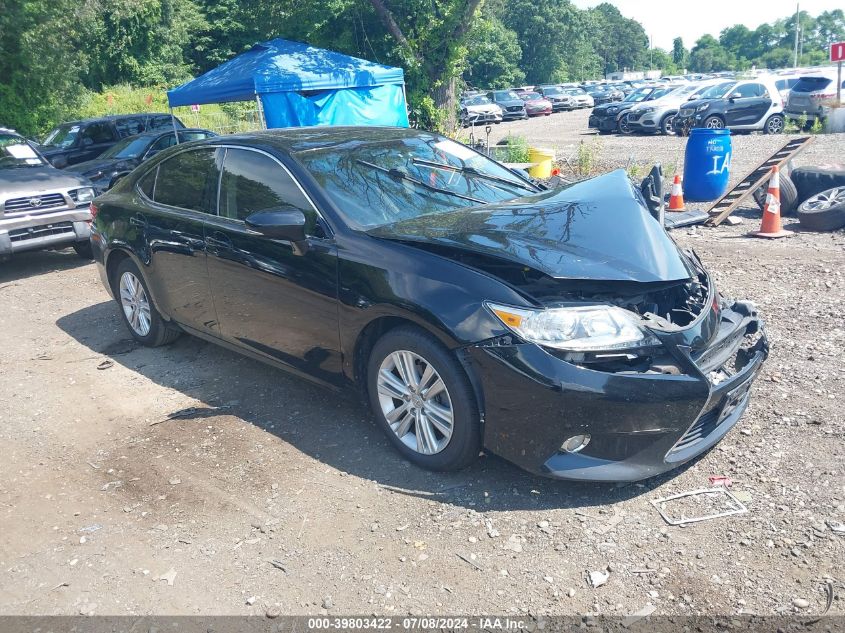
393	172
473	171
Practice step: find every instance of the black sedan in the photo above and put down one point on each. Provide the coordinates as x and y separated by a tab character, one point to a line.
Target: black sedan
127	154
472	308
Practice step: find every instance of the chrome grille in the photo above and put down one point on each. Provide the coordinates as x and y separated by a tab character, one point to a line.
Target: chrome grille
35	203
31	233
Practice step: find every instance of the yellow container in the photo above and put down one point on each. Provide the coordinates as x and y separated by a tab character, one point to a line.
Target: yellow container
542	159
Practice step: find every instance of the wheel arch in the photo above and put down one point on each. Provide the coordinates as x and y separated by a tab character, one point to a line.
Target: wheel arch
381	325
113	259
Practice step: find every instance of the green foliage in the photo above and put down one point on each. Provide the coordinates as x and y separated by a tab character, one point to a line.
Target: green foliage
493	56
517	149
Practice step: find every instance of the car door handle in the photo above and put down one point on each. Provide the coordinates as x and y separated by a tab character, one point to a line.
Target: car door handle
193	242
138	220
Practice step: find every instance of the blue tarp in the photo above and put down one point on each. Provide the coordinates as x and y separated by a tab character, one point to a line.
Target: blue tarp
339	90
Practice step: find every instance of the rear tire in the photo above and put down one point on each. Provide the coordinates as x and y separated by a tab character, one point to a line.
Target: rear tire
667	125
774	124
410	351
824	211
137	310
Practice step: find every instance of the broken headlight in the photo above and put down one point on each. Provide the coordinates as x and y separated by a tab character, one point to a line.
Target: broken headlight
578	328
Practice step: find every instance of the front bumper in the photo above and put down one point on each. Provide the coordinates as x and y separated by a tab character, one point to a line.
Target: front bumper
641	423
516	114
683	122
476	118
44	230
605	123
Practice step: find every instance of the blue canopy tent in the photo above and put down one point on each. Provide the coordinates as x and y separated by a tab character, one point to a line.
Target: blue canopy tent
300	85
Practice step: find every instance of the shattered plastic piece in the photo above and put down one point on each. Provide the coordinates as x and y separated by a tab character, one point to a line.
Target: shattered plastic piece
720	480
170	576
735	505
837	527
646	611
598	578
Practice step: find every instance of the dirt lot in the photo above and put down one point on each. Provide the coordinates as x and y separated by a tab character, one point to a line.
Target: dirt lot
108	507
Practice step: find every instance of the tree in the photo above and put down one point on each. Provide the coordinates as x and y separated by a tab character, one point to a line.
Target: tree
493	56
621	42
708	55
660	59
680	55
432	38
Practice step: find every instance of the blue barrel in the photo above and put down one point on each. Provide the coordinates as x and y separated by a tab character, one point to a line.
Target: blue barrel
707	164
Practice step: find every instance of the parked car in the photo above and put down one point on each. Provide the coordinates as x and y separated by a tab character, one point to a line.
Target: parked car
471	307
610	116
40	206
658	115
747	105
536	104
602	94
558	96
78	141
785	83
479	109
580	98
811	97
127	154
508	100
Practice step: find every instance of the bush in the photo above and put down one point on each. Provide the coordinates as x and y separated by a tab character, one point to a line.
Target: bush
517	149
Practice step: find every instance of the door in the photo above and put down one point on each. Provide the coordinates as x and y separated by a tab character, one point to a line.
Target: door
95	139
178	196
273	297
751	101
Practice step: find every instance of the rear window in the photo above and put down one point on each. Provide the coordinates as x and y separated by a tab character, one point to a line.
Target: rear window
811	84
186	180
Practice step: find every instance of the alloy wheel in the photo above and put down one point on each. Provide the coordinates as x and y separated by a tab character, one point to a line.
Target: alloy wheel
135	304
826	199
774	125
415	402
715	123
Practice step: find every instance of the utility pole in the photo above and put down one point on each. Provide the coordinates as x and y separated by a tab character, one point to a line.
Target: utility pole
797	22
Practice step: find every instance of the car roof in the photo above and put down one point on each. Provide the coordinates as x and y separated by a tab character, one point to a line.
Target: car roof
294	140
113	117
157	133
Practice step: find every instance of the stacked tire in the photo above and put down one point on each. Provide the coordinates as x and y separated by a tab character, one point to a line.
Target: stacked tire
822	190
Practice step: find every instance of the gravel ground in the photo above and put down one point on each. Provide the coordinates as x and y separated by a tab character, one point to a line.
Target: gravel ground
109	507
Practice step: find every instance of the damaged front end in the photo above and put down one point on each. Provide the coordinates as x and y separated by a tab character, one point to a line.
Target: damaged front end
624	361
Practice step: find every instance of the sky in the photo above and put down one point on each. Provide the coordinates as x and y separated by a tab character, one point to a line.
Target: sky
664	20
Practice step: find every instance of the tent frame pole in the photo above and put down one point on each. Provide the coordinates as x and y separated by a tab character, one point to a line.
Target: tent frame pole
261	120
173	121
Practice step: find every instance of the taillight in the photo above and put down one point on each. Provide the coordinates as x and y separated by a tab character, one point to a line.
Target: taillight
93	209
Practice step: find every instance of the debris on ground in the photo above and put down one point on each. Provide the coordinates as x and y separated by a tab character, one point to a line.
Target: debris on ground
719	501
169	576
598	578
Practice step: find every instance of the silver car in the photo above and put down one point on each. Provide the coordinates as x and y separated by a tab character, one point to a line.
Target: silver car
478	109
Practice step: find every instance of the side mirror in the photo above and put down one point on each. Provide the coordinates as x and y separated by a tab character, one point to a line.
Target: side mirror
284	223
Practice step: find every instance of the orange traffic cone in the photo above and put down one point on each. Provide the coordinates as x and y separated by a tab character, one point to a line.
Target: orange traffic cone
676	200
771	225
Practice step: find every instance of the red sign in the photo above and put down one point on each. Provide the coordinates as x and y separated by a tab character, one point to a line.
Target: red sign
837	52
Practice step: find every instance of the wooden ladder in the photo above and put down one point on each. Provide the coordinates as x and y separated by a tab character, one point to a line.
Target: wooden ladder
726	205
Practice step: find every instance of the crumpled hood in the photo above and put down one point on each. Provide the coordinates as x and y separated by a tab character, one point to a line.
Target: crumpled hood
37	179
597	229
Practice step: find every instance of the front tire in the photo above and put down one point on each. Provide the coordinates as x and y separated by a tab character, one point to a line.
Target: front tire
667	125
423	401
623	126
139	314
714	123
83	249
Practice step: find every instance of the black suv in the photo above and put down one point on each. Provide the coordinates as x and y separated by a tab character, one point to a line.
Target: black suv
77	141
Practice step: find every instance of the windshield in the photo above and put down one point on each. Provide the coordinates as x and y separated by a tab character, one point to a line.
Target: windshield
382	182
15	151
574	91
552	90
131	147
62	136
718	91
530	96
638	95
477	100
